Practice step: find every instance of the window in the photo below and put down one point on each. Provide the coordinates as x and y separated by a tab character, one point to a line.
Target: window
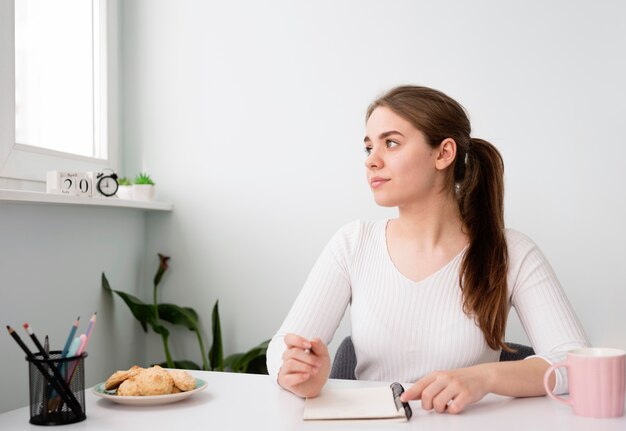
60	56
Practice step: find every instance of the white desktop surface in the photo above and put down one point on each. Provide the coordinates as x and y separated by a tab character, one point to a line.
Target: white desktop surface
252	402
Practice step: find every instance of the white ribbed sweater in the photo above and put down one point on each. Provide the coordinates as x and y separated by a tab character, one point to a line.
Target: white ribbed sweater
403	330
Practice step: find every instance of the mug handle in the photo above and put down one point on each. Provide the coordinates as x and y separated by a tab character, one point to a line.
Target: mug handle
545	382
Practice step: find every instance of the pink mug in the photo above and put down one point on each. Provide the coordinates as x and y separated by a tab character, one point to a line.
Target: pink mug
597	381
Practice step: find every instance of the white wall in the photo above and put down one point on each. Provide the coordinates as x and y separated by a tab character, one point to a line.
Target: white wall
249	115
51	259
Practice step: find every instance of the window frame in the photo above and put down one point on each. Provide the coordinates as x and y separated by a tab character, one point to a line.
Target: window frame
21	164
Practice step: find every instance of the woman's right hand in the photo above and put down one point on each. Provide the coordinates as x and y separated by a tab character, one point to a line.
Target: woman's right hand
306	366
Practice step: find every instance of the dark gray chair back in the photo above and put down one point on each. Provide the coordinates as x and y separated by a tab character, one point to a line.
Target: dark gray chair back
344	363
521	352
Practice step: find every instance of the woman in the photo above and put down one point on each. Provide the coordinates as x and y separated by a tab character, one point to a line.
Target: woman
431	289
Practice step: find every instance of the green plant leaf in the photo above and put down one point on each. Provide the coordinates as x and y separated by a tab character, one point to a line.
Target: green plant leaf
177	315
241	362
143	312
232	361
216	353
160	329
105	283
143	178
185	364
258	365
124	181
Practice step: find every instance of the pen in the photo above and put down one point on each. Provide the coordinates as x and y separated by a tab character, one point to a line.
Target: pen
74	347
49	393
82	344
58	383
308	350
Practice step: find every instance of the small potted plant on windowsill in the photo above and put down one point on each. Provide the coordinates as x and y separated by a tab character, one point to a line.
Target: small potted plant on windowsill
143	187
125	190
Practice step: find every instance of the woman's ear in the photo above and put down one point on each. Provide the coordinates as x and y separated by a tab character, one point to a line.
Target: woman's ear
446	153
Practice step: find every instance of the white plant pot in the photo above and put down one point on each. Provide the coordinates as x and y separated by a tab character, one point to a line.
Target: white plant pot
125	192
143	192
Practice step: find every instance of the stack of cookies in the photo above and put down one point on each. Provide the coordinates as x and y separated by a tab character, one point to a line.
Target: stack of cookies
155	380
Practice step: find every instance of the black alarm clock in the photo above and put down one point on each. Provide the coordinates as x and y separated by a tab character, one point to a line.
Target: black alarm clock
106	183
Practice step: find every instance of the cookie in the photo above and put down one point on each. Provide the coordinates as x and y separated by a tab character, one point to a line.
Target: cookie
183	380
154	381
128	388
119	376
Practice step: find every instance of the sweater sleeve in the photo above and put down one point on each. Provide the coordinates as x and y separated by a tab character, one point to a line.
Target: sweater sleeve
542	306
322	302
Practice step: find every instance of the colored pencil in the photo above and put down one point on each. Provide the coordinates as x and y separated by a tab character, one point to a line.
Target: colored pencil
70	337
84	339
92	322
79	352
65	351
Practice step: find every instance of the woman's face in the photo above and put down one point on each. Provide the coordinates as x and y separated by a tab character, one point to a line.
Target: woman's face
400	165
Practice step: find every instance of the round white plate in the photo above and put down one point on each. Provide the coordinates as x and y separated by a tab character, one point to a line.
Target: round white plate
148	400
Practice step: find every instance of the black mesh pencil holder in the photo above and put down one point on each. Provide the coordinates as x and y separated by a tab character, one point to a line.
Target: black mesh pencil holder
57	389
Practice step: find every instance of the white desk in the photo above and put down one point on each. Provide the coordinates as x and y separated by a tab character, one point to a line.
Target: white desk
252	402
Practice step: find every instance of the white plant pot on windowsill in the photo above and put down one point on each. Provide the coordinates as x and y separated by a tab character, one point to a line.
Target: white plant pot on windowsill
143	192
125	192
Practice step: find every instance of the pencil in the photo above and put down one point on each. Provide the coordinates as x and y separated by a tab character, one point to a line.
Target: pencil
19	341
92	322
30	332
83	345
57	382
79	353
70	337
66	348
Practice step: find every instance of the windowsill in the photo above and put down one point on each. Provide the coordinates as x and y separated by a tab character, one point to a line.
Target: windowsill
28	197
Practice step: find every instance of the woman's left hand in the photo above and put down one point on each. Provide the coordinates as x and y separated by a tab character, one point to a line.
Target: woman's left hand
450	391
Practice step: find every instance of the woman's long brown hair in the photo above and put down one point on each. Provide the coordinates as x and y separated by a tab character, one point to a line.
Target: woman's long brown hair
477	180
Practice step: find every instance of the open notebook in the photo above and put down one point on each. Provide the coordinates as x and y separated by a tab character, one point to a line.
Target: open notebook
375	403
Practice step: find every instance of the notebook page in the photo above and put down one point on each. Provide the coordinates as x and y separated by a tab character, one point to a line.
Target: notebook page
353	403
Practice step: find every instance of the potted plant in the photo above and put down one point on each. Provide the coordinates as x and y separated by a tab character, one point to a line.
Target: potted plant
124	190
143	187
159	316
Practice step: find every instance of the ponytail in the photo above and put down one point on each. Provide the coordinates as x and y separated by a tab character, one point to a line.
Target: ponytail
480	195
